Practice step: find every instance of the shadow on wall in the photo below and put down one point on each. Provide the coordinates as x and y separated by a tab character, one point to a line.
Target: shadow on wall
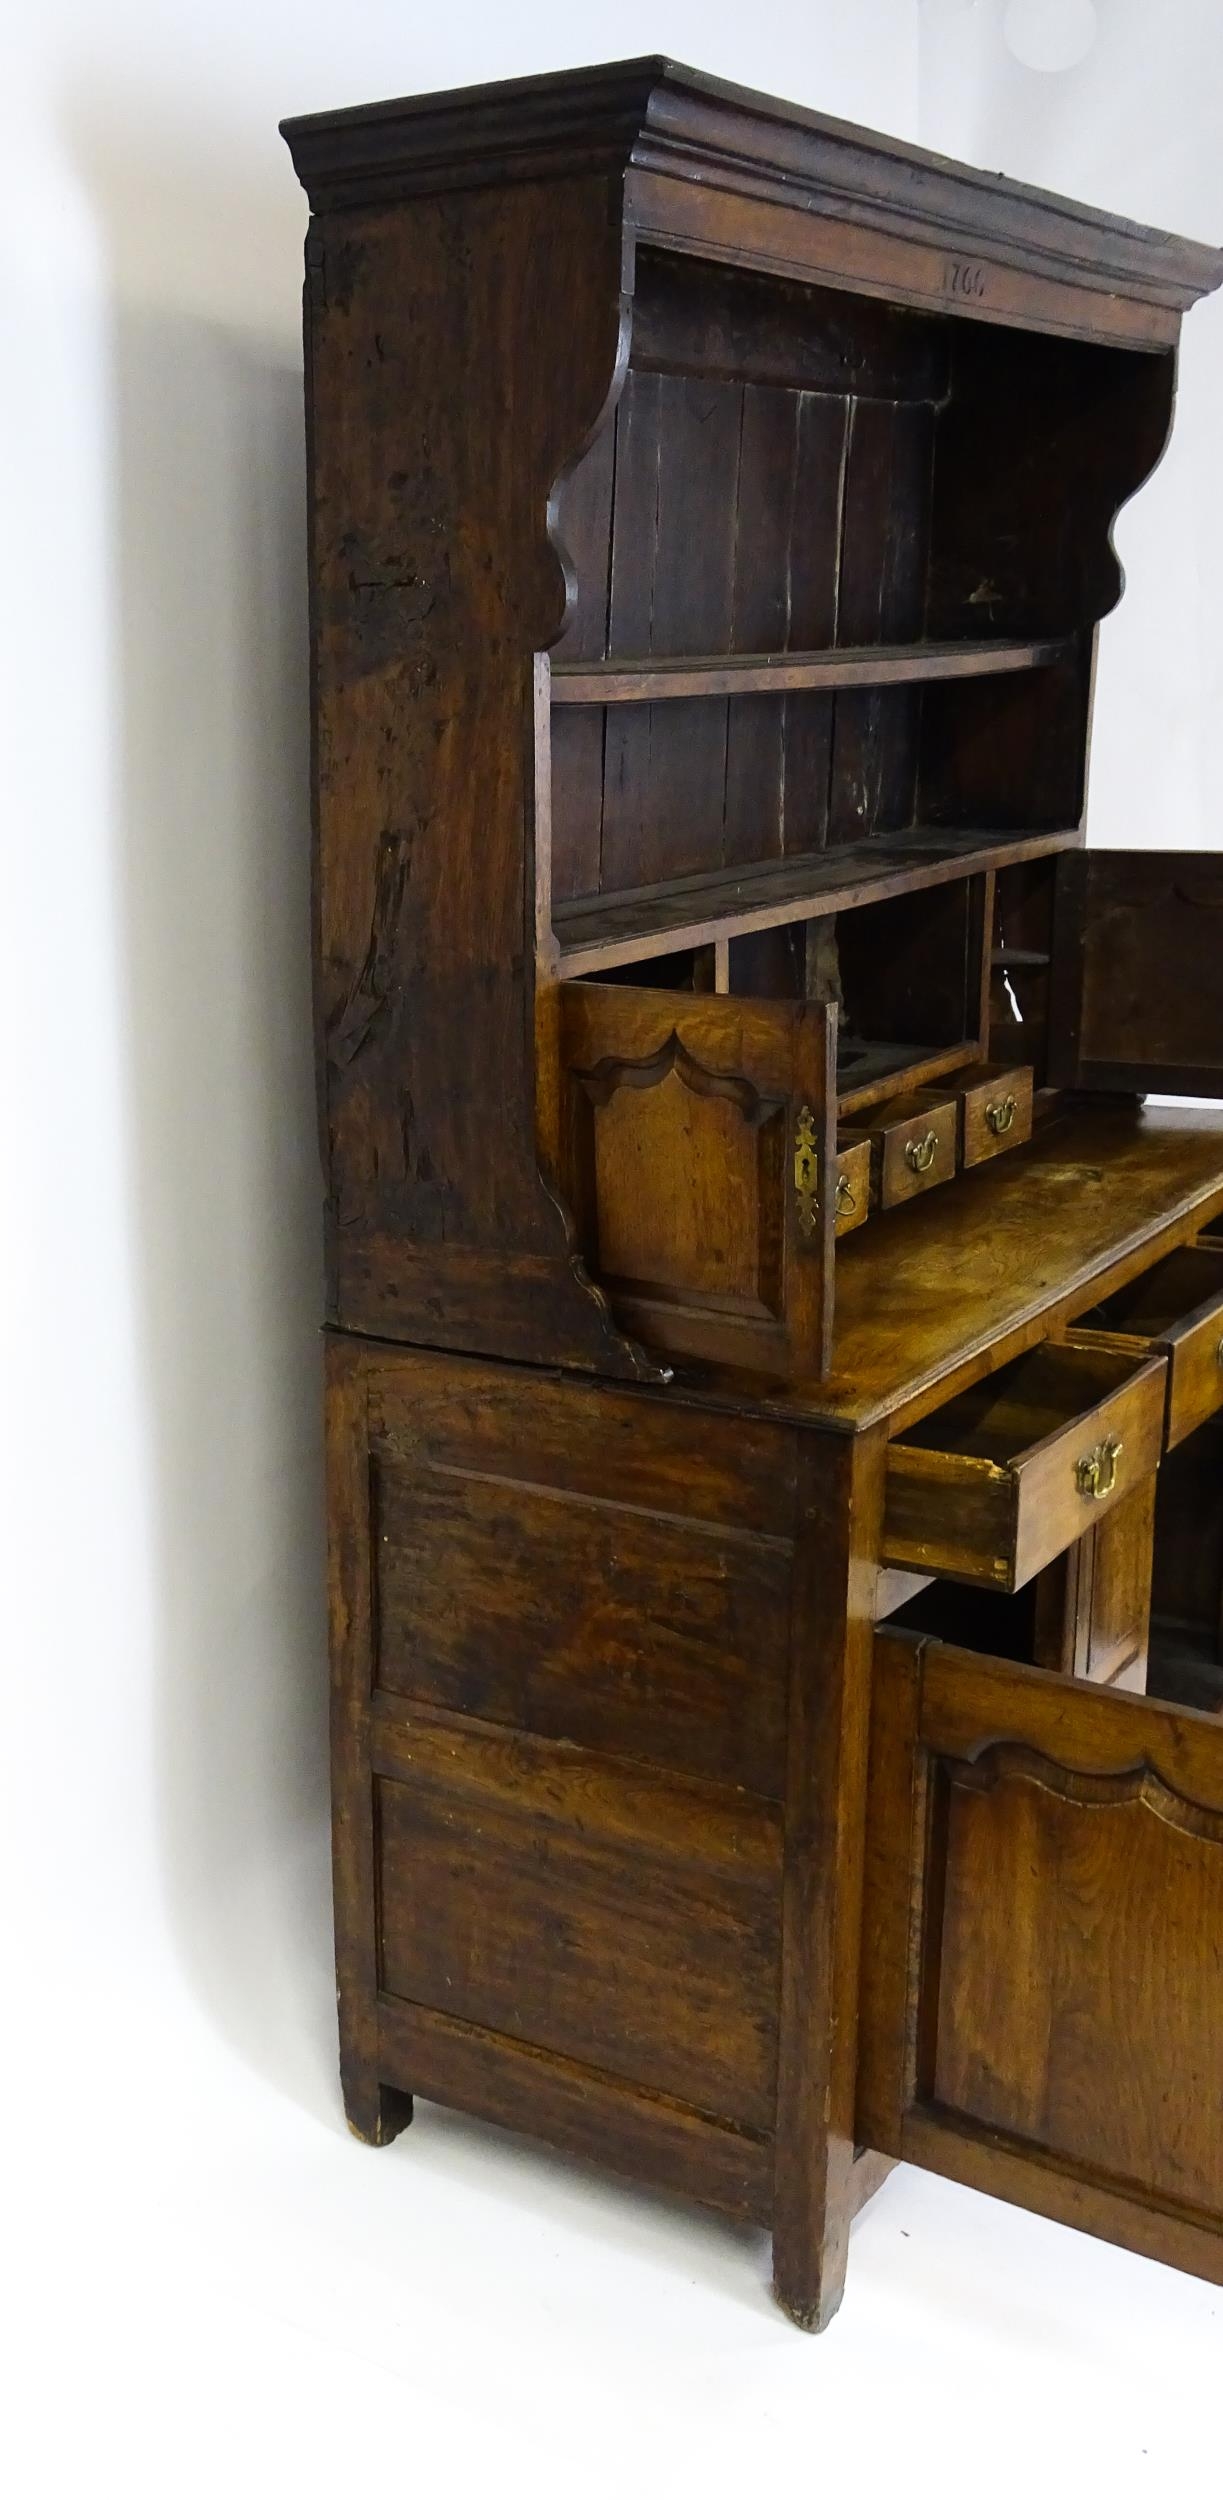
212	742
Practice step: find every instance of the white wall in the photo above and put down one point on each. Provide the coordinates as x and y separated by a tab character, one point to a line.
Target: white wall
1133	123
164	1813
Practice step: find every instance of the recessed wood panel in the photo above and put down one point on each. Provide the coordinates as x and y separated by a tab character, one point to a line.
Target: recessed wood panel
624	1919
1080	1969
688	1189
1044	2004
584	1619
1137	1002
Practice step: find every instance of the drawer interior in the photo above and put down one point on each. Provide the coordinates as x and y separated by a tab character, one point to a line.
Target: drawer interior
1177	1289
1009	1413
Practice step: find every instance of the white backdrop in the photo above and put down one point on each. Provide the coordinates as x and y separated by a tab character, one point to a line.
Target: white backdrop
212	2286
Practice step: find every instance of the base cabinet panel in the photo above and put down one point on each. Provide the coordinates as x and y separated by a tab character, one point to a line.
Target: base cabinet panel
1045	2004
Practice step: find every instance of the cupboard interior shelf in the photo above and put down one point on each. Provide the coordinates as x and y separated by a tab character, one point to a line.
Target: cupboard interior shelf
788	672
596	932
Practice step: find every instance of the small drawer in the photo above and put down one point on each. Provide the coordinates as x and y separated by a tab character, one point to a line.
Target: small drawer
853	1184
993	1109
1176	1308
912	1142
1007	1475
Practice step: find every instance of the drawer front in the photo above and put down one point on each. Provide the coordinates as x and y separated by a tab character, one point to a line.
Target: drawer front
853	1200
995	1114
1176	1309
1195	1372
917	1153
980	1512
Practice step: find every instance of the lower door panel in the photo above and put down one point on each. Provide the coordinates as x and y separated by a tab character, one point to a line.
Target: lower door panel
1043	1990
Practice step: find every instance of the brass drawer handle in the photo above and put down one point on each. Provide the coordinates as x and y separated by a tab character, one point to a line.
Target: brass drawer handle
1096	1476
920	1152
1000	1116
847	1205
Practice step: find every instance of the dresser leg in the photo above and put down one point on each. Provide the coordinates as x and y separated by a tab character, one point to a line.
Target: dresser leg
815	2193
809	2266
376	2112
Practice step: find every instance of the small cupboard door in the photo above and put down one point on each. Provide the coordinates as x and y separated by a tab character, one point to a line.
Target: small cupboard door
696	1149
1042	2009
1137	1004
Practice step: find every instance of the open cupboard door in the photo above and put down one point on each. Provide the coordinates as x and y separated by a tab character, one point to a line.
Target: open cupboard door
1138	993
696	1148
1042	2011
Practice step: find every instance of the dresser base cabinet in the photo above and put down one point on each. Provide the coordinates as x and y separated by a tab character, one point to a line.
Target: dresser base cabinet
621	1861
601	1666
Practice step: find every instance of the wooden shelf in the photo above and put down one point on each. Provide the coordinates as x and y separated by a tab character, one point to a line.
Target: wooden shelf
792	672
595	932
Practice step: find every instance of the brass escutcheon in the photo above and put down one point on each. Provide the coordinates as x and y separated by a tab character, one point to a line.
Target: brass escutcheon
920	1152
806	1171
1096	1475
1000	1116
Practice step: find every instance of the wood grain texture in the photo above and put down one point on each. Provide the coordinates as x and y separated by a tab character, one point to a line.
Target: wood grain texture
682	1122
912	1142
576	1616
641	2134
841	1494
433	585
758	672
973	1273
375	2111
623	1918
561	1666
1137	1001
1049	260
735	643
632	926
991	1487
1176	1307
1045	1890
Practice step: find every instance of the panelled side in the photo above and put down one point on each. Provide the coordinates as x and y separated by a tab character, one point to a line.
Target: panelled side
571	1766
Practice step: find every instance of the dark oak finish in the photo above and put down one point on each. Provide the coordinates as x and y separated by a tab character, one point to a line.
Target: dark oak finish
761	1623
1003	1477
746	672
1044	1866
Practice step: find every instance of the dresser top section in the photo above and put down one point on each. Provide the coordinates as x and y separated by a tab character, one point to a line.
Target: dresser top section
658	117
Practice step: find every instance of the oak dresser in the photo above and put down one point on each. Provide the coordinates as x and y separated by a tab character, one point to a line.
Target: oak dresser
775	1353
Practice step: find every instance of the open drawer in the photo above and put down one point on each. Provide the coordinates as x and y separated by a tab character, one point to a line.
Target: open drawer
1176	1308
1005	1476
1042	1995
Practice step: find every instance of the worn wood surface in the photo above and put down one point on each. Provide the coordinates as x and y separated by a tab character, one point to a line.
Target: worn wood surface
1045	1863
738	647
757	672
1177	1307
991	1487
994	1103
561	1761
433	583
912	1141
721	163
1137	999
683	1124
814	2199
633	926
